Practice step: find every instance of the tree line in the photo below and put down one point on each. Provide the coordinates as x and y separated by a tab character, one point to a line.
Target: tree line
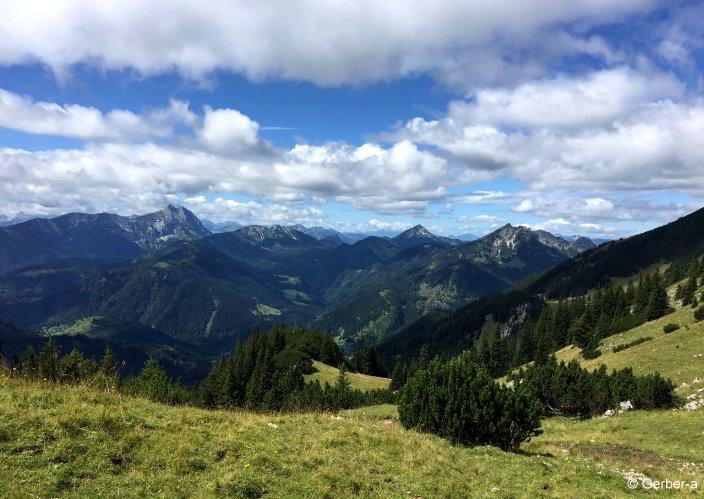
265	373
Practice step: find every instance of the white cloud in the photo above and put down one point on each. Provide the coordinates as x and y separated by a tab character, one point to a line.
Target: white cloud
596	98
598	205
21	113
524	206
375	224
227	131
481	218
125	177
252	212
635	141
552	225
314	40
482	197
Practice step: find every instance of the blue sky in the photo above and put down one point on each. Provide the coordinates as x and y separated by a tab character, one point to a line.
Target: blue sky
576	117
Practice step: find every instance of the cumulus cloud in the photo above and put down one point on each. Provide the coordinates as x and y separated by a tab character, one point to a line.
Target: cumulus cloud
480	218
252	212
596	98
227	131
20	112
524	206
630	136
117	176
312	40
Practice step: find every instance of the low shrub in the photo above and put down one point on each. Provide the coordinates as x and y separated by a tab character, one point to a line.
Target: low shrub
458	400
590	353
637	341
570	389
699	314
669	328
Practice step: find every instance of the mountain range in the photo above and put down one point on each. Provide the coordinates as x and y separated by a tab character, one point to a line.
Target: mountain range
102	237
670	246
167	272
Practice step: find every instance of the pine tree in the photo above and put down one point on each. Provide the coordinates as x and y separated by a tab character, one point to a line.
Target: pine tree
657	300
581	331
30	364
108	373
71	367
525	349
397	376
48	361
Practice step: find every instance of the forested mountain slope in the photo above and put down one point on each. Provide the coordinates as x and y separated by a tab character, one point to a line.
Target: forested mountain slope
673	244
678	240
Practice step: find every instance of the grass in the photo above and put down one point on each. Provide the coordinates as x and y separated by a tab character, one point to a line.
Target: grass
329	374
81	326
61	441
266	310
675	355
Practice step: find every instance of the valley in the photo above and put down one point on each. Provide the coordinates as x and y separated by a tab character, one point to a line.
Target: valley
208	290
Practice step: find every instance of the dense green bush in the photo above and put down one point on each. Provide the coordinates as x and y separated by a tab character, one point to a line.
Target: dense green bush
153	383
570	389
699	314
669	328
591	353
637	341
458	400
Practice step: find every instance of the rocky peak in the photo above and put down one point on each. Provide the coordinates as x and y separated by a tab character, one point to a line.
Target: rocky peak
258	233
417	231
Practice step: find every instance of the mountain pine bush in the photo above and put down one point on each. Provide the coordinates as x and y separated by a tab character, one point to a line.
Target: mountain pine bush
569	389
699	314
458	400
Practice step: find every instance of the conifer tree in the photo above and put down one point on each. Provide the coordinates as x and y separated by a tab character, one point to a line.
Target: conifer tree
48	361
71	367
108	368
657	300
30	364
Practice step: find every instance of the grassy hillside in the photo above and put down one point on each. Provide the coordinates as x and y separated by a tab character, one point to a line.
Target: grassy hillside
678	355
326	373
58	441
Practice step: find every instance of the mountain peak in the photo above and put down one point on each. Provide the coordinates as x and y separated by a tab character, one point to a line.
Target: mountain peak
419	235
416	231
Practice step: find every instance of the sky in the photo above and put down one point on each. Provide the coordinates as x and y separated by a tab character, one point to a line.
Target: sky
577	117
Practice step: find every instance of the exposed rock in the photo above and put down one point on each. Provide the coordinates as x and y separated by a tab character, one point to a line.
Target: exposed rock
625	406
273	425
609	413
691	406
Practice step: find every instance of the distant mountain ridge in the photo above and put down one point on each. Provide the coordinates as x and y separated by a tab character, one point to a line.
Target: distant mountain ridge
166	270
673	243
101	236
418	235
434	278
